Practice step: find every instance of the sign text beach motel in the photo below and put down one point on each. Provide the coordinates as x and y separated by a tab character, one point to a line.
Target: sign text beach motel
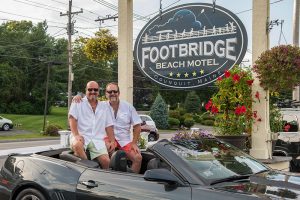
190	45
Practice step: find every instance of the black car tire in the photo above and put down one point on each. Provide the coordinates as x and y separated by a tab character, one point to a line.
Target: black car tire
5	127
30	194
151	137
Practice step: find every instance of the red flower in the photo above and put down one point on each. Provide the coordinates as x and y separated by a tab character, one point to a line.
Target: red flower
236	78
214	109
227	74
208	105
243	109
255	114
287	128
257	96
219	78
250	82
259	120
240	110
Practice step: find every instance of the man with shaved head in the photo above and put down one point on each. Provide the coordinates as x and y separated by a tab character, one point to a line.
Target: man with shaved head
90	123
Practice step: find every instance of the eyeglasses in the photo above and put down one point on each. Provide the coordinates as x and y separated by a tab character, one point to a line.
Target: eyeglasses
91	89
112	91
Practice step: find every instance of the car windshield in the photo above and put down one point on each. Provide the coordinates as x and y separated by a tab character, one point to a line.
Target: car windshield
213	159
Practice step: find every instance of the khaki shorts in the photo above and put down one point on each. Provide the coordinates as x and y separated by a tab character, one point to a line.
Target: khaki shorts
94	152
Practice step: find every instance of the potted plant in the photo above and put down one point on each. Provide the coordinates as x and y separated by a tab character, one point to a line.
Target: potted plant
279	68
232	106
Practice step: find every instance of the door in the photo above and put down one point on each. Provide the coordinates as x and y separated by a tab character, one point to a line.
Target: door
100	184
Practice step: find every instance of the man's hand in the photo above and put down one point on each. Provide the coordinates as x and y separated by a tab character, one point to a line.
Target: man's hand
134	147
79	138
77	99
111	145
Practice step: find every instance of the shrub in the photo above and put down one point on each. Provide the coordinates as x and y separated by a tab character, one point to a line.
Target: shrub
208	122
174	114
52	130
192	102
159	112
197	118
173	122
189	122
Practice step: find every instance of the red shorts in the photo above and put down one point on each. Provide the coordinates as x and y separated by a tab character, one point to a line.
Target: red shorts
126	148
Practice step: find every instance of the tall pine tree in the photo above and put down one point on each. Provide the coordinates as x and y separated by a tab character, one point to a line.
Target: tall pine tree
159	112
192	102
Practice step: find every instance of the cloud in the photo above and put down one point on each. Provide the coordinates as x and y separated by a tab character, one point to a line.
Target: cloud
182	20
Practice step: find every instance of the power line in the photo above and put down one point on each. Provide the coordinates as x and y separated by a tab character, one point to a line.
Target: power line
29	17
16	45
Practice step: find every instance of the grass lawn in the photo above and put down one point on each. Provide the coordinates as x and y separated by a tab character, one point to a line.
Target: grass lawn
34	123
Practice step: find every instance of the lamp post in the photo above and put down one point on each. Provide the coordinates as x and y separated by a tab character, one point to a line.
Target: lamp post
51	63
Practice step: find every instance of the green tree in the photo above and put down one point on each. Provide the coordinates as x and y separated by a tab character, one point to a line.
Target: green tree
102	47
192	102
86	69
25	51
159	112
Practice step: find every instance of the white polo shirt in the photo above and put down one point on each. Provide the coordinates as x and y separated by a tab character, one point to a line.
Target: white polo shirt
92	125
126	117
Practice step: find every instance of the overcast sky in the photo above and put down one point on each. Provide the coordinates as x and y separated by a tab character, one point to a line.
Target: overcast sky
37	10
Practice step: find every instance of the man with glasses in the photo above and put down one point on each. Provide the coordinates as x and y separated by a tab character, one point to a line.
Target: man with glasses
89	121
124	116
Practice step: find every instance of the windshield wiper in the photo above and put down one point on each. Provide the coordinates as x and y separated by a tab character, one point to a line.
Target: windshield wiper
261	171
230	178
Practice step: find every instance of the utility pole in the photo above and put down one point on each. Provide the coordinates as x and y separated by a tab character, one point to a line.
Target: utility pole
50	64
70	30
296	91
46	97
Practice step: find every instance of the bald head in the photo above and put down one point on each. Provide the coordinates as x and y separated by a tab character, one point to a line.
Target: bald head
92	90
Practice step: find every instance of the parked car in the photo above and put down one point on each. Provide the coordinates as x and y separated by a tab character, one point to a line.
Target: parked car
148	125
6	124
188	169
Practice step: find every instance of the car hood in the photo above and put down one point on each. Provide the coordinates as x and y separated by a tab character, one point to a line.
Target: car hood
272	184
4	120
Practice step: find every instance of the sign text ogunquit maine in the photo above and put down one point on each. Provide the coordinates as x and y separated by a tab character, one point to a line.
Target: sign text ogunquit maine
190	45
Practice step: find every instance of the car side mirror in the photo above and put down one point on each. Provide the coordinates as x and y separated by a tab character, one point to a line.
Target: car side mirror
161	175
143	123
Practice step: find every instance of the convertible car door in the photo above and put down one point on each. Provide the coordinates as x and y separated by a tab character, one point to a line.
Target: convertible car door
100	184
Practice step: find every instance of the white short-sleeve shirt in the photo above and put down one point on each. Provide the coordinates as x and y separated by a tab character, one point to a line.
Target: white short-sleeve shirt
92	125
126	117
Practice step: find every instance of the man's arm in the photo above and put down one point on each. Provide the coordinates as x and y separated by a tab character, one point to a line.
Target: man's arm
111	144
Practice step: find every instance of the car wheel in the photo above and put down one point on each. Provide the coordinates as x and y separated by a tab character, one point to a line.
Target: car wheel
30	194
5	127
151	137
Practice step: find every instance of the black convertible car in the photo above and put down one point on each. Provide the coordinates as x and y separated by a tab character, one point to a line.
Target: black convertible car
187	169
